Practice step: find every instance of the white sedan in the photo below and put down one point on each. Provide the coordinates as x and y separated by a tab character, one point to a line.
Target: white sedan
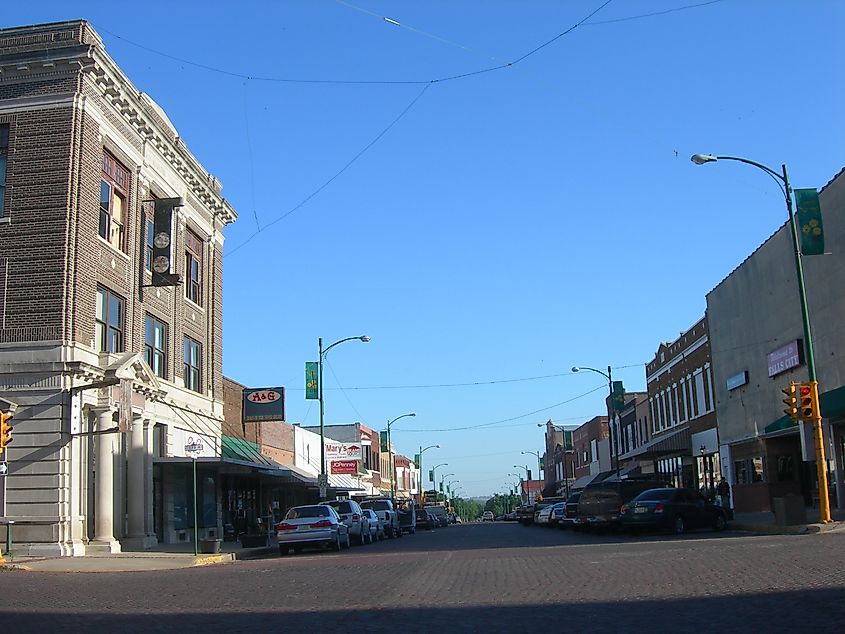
314	524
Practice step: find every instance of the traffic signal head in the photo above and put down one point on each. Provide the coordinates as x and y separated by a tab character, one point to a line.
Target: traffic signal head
791	401
808	401
5	430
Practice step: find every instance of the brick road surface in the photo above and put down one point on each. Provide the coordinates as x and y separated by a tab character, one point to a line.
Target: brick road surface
494	577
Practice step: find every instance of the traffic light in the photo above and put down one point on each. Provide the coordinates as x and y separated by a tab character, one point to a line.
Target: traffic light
162	263
5	431
791	401
808	405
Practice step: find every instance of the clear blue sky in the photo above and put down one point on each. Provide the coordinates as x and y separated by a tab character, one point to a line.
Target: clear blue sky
510	224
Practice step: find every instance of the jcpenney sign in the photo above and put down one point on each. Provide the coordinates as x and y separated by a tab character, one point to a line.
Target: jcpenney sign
785	357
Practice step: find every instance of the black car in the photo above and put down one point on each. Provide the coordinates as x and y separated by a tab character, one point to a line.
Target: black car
674	509
425	520
600	502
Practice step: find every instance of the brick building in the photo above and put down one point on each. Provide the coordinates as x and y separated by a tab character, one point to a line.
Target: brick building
591	451
113	379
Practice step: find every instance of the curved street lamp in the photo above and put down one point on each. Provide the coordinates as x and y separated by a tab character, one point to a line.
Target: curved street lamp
321	352
420	467
390	454
443	477
539	467
611	437
782	179
434	476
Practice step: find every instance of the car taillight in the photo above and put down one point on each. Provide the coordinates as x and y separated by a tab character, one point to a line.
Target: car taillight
658	508
355	517
321	524
285	527
623	509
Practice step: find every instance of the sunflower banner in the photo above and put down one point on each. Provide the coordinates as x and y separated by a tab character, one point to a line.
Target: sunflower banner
809	217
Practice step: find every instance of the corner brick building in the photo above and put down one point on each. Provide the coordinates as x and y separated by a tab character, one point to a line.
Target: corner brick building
112	378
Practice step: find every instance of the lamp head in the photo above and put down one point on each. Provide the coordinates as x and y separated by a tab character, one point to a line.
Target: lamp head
701	159
438	446
364	338
575	368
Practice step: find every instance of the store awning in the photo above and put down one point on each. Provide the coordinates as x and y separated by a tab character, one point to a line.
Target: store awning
675	442
231	466
343	482
583	481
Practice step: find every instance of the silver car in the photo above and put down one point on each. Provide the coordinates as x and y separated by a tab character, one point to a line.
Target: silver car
353	516
376	526
314	524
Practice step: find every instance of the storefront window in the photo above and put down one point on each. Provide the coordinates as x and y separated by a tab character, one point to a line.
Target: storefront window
749	470
183	509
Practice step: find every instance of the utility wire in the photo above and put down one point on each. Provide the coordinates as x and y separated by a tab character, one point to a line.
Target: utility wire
654	13
335	176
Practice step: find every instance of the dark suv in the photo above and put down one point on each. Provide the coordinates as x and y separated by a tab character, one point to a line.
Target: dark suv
600	502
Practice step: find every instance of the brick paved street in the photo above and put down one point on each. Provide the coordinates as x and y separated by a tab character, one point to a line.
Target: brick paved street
495	577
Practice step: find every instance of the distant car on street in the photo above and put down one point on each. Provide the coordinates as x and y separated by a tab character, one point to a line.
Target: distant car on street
600	502
315	524
675	509
440	514
487	516
375	524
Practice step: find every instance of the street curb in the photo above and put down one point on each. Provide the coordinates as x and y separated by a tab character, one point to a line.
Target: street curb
798	529
6	565
212	560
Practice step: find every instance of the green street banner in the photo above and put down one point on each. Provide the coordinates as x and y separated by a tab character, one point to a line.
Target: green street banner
618	399
441	486
809	219
431	475
311	378
417	460
385	446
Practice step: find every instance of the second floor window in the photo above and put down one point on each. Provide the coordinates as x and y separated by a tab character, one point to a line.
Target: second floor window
155	345
4	153
193	267
114	188
191	371
109	322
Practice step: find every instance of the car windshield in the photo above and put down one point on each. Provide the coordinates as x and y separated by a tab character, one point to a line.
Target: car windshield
306	511
341	506
377	505
656	495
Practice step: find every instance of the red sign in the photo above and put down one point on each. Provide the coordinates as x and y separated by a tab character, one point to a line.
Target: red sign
345	466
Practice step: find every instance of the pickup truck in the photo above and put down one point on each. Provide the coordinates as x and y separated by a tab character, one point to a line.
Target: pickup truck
387	514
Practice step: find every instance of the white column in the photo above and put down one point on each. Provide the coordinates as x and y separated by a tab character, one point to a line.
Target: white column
149	522
104	504
135	480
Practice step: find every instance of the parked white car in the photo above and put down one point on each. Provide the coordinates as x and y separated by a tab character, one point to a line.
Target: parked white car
376	525
353	516
387	514
315	524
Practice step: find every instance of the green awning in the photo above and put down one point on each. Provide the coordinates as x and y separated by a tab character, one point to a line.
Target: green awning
240	449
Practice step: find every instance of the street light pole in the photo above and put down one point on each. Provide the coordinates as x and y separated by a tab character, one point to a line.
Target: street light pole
443	477
420	467
539	469
434	477
321	353
783	182
611	437
390	456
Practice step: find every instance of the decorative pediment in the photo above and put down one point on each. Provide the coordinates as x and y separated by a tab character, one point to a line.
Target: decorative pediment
131	366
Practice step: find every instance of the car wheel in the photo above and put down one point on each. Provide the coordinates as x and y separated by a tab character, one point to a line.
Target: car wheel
679	526
283	550
361	540
297	550
399	532
348	540
720	523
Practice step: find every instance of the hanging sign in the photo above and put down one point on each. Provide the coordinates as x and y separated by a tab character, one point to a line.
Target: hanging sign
265	403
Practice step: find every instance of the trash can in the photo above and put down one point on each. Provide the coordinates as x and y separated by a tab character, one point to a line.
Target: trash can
210	546
789	510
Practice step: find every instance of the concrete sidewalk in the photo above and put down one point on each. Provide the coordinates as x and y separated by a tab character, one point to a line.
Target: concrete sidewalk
766	522
165	557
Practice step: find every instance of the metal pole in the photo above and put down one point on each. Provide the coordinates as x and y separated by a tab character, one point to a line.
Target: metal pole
9	538
391	467
196	527
611	436
420	467
322	433
821	463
